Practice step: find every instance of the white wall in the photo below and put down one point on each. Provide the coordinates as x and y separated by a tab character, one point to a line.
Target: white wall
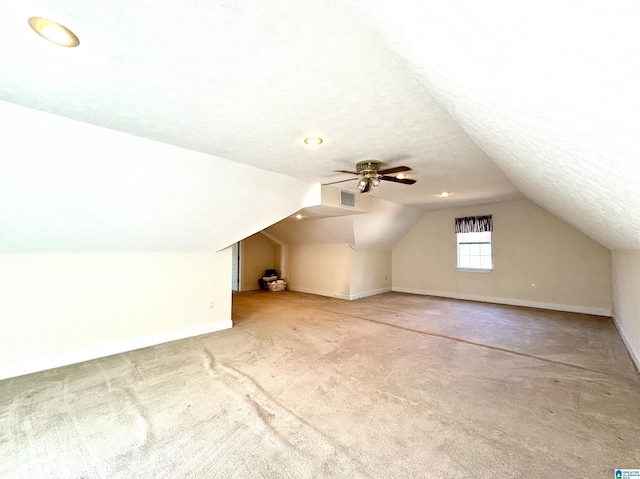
337	270
322	269
259	254
103	238
67	186
370	272
570	270
625	266
62	308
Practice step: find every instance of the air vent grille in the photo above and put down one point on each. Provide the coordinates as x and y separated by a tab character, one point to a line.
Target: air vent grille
347	199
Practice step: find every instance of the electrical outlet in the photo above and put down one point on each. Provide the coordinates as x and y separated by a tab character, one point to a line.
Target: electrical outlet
211	304
533	285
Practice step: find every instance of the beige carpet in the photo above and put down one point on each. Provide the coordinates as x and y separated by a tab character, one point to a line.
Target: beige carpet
393	386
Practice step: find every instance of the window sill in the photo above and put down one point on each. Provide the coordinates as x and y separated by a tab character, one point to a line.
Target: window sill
475	270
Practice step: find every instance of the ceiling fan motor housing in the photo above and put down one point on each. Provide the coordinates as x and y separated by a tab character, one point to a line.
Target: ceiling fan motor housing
368	168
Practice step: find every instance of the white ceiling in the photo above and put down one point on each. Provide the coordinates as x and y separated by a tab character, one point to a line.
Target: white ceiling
548	91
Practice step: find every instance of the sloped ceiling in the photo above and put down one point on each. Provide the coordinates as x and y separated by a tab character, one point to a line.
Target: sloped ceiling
371	224
111	192
548	89
489	101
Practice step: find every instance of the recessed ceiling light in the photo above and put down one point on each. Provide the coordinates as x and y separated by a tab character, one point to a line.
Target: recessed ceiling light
401	176
298	216
444	194
313	141
54	32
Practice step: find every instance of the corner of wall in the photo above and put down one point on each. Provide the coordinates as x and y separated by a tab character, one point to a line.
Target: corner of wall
632	353
625	279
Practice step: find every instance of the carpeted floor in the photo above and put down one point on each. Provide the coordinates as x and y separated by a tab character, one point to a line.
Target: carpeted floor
392	386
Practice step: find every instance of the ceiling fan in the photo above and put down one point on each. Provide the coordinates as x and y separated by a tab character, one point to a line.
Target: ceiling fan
369	175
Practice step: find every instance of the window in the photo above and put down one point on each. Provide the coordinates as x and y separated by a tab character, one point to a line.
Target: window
474	251
473	235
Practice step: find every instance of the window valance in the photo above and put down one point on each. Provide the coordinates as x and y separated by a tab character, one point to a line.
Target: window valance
474	224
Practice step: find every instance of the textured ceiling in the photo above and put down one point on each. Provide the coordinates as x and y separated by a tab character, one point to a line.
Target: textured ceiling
248	81
548	90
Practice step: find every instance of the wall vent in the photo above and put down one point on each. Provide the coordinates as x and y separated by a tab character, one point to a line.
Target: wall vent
347	199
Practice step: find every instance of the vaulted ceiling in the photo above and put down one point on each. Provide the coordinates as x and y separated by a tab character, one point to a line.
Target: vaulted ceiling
487	100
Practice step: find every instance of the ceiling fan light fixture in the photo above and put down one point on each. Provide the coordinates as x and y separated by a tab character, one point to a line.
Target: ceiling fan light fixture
369	177
313	141
54	32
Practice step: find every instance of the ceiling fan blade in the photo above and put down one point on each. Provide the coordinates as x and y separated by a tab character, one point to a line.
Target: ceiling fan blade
345	171
397	169
404	181
341	181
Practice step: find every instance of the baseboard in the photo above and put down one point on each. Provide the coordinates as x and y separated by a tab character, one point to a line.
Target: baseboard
73	357
632	353
369	293
348	297
511	302
319	293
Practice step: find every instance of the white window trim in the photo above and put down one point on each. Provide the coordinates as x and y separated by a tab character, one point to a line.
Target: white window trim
475	270
470	269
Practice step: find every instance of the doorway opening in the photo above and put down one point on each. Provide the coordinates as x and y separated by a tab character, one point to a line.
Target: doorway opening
235	267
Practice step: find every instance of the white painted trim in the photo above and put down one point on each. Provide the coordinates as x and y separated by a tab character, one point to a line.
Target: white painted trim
512	302
319	293
632	353
348	297
73	357
366	294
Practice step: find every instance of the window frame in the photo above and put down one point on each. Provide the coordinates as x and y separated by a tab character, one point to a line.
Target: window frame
461	240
